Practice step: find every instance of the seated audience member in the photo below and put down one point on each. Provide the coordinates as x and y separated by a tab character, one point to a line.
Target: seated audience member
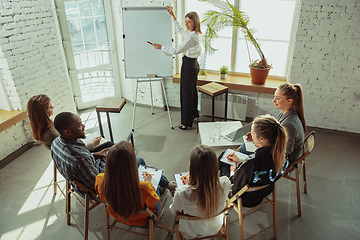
121	188
288	98
40	110
73	160
204	194
265	165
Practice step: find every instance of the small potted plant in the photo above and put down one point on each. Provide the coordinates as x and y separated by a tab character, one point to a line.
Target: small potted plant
223	71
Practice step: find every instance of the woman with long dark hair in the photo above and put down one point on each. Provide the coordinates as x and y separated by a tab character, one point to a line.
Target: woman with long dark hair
190	66
204	194
121	188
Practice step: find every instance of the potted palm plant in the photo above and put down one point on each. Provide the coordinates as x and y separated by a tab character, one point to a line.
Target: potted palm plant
229	16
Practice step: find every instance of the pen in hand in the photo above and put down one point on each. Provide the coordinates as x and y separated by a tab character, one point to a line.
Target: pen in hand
232	154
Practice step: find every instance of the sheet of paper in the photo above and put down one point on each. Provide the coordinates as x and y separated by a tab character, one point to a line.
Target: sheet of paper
178	179
229	151
250	146
157	173
91	136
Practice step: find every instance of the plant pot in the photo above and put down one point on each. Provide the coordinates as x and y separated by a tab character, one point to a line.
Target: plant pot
222	75
259	75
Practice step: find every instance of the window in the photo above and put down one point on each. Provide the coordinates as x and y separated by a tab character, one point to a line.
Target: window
272	20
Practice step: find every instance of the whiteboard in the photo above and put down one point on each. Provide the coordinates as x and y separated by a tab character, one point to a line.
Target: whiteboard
142	24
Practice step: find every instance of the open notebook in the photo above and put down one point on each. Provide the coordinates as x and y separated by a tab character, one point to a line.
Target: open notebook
91	136
157	173
229	151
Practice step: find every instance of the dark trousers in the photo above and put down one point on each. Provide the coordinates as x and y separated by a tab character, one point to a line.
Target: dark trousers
188	92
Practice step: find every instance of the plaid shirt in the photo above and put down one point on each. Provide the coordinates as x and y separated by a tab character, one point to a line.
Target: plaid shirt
75	162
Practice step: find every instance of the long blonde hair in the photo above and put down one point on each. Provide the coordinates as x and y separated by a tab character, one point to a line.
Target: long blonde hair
195	17
39	120
204	179
294	92
269	128
121	183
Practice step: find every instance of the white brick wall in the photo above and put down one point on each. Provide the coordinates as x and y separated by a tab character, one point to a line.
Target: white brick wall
326	63
32	62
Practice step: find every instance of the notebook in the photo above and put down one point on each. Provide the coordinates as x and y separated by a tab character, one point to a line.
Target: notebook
249	145
157	173
235	132
91	136
178	179
229	151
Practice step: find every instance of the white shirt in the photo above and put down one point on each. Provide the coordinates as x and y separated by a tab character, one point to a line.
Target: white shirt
199	228
190	46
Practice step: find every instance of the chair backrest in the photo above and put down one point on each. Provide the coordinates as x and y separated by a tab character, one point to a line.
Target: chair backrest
181	215
85	189
309	142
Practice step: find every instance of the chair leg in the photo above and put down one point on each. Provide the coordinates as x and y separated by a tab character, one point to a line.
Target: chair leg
178	234
213	108
298	190
55	179
107	221
227	225
151	229
304	177
241	222
67	202
86	217
274	213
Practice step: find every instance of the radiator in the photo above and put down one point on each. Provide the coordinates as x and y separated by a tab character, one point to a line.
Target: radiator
237	106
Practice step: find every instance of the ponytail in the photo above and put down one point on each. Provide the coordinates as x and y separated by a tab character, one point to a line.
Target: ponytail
278	151
269	128
294	91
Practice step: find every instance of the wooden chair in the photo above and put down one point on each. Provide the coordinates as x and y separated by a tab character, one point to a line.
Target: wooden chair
236	201
224	233
309	142
87	205
153	221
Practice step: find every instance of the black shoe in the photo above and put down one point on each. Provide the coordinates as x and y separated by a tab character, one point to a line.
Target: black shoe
196	116
182	127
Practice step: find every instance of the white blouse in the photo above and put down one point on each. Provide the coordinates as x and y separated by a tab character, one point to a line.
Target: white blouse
199	228
190	46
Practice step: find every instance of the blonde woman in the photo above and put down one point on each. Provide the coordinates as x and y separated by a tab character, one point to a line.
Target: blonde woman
204	194
265	165
190	66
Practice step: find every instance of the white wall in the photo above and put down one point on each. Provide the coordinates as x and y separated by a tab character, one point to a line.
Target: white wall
31	62
326	63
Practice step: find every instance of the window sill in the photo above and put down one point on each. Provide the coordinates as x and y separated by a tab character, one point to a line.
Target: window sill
9	118
238	81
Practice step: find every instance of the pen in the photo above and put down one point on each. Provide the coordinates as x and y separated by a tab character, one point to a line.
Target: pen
183	177
149	173
230	155
149	42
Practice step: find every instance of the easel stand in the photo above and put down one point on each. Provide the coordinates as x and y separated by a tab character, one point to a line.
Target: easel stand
151	79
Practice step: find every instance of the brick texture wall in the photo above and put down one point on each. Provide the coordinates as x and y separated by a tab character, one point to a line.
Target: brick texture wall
31	62
326	62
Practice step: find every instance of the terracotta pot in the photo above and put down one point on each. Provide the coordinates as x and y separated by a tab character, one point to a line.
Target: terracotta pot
258	76
222	75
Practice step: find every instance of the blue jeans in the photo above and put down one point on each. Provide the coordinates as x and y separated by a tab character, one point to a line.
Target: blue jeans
243	150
